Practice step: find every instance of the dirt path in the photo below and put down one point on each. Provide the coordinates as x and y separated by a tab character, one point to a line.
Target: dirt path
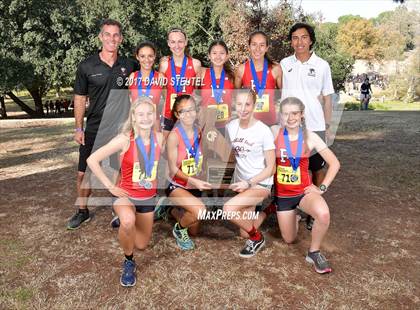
372	244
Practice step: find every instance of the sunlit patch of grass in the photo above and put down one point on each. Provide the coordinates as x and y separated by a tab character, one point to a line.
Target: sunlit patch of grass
17	298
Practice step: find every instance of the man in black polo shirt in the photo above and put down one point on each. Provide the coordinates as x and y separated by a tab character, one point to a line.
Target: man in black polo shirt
96	76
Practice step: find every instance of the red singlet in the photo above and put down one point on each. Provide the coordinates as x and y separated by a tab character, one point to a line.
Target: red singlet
224	108
284	184
185	161
188	88
130	171
265	109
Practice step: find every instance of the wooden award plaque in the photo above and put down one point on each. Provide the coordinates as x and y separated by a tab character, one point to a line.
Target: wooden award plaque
219	164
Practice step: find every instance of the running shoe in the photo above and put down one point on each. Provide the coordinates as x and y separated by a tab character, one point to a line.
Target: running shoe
115	222
161	209
128	276
309	222
319	261
183	240
252	247
77	219
302	215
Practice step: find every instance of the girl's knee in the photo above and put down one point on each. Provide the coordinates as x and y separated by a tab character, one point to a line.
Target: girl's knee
127	222
323	217
289	239
199	209
142	245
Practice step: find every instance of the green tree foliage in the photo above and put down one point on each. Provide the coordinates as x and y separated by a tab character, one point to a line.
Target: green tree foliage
360	39
199	19
34	42
346	18
401	22
240	18
341	63
42	42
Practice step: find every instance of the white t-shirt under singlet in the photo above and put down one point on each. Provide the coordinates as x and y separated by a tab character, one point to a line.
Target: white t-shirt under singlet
248	146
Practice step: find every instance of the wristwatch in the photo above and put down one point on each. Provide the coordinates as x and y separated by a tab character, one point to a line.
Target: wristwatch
78	129
327	126
323	188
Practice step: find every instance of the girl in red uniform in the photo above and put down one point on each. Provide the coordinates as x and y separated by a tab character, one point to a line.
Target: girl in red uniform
146	82
293	184
140	148
217	84
262	75
180	71
185	161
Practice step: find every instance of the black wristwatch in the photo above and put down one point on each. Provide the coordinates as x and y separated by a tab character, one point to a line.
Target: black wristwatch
323	188
327	126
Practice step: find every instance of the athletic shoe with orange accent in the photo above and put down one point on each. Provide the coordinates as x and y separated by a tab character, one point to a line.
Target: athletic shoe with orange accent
319	261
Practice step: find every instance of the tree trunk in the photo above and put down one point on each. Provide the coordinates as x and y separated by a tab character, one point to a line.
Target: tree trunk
3	108
409	97
36	95
22	105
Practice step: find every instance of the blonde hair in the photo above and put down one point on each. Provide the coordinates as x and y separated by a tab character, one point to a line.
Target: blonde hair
297	102
247	91
129	125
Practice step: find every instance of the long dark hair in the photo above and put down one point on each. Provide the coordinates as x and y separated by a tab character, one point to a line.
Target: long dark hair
226	65
267	41
146	44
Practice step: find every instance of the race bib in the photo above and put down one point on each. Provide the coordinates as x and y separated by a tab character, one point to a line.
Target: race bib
262	104
141	175
222	112
189	167
286	175
173	97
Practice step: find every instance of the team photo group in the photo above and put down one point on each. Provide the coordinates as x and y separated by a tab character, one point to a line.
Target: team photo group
274	116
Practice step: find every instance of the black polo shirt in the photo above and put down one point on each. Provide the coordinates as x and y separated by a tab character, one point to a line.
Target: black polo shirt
95	78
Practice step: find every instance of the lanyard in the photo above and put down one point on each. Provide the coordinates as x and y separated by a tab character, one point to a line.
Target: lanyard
217	89
260	87
178	86
294	160
148	161
194	151
148	87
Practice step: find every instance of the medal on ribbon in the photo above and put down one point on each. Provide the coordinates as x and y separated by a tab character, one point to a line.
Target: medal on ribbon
217	89
176	80
148	86
259	87
193	150
149	161
294	159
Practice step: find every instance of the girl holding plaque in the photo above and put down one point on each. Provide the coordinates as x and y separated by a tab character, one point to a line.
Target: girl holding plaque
293	183
185	160
261	74
140	148
253	147
180	71
146	82
218	80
